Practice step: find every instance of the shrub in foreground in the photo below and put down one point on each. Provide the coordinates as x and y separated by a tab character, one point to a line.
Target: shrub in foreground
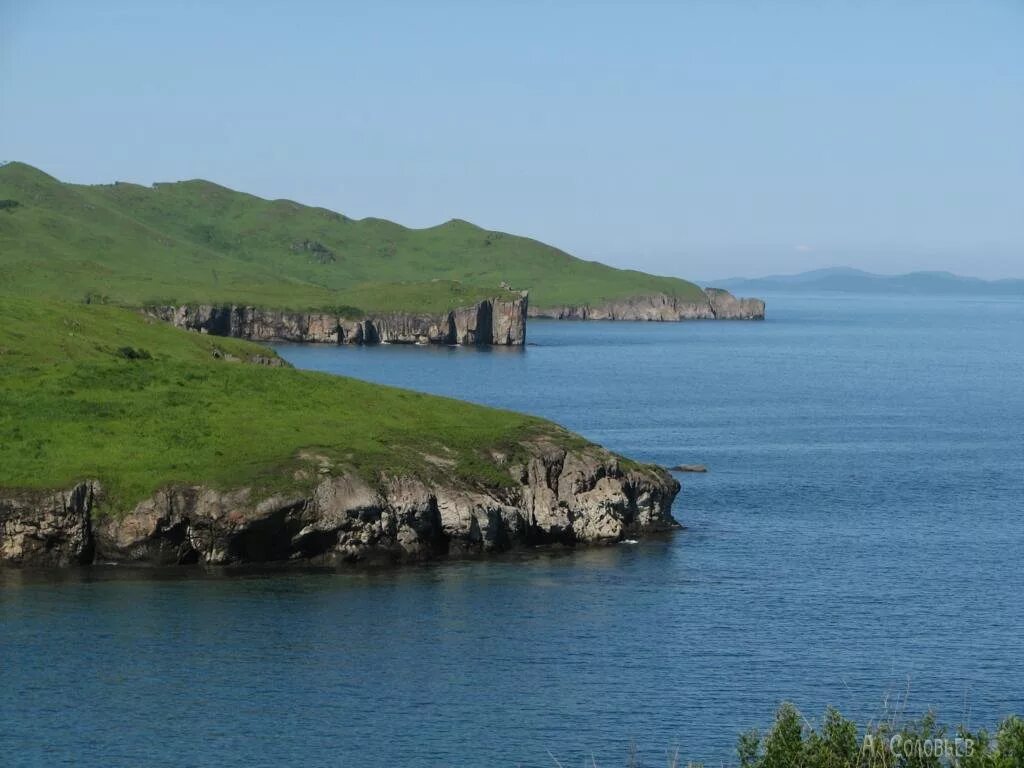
837	742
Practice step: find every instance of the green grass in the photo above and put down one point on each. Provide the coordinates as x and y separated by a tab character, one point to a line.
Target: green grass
194	241
90	391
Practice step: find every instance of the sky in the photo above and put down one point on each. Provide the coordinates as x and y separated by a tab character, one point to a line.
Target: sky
698	139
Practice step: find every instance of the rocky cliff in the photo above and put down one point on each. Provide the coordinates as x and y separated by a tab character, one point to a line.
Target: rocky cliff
717	305
499	321
554	495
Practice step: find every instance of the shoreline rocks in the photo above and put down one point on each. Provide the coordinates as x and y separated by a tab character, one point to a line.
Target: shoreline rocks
556	496
498	321
719	304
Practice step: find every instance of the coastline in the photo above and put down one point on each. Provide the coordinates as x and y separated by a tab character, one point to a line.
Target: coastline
719	304
552	496
499	321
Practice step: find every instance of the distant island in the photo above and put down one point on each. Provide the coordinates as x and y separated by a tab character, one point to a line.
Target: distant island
225	262
848	280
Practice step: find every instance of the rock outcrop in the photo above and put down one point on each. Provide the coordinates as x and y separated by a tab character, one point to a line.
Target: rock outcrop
498	321
717	305
554	495
728	307
48	529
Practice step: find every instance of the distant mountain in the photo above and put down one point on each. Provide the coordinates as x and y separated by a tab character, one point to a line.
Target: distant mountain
848	280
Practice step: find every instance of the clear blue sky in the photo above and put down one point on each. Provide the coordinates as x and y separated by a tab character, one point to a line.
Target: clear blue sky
703	139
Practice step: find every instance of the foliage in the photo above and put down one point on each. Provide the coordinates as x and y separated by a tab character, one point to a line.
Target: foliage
793	742
837	742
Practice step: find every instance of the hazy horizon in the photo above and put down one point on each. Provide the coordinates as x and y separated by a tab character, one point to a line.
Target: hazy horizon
710	140
843	267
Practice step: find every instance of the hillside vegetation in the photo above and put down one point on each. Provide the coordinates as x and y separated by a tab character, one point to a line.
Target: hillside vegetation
92	391
197	242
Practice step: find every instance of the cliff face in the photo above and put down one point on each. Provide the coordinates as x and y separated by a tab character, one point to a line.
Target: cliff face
728	307
556	496
48	529
718	305
498	321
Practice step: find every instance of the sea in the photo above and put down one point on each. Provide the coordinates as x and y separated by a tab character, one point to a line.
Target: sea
857	541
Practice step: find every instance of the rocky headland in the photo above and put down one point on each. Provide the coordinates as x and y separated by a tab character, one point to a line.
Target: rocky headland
718	304
552	495
499	321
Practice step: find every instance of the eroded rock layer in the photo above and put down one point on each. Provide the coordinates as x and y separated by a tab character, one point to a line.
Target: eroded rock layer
585	496
499	321
718	305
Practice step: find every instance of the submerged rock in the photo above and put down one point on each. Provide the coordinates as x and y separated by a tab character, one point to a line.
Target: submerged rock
689	468
557	496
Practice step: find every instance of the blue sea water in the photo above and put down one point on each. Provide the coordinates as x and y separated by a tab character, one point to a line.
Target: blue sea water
857	540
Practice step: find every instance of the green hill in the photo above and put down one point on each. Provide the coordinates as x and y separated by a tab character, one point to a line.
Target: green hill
102	392
194	241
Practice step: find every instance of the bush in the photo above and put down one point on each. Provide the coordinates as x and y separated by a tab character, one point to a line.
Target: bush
131	353
792	742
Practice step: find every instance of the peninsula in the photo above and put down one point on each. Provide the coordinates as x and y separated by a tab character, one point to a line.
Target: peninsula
123	439
210	258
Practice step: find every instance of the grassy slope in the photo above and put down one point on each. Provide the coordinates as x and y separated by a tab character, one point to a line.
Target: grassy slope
74	407
194	241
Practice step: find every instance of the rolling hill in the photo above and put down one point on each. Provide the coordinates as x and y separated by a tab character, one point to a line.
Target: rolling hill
101	391
197	242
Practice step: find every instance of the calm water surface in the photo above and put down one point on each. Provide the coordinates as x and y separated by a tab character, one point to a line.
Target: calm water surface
860	531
